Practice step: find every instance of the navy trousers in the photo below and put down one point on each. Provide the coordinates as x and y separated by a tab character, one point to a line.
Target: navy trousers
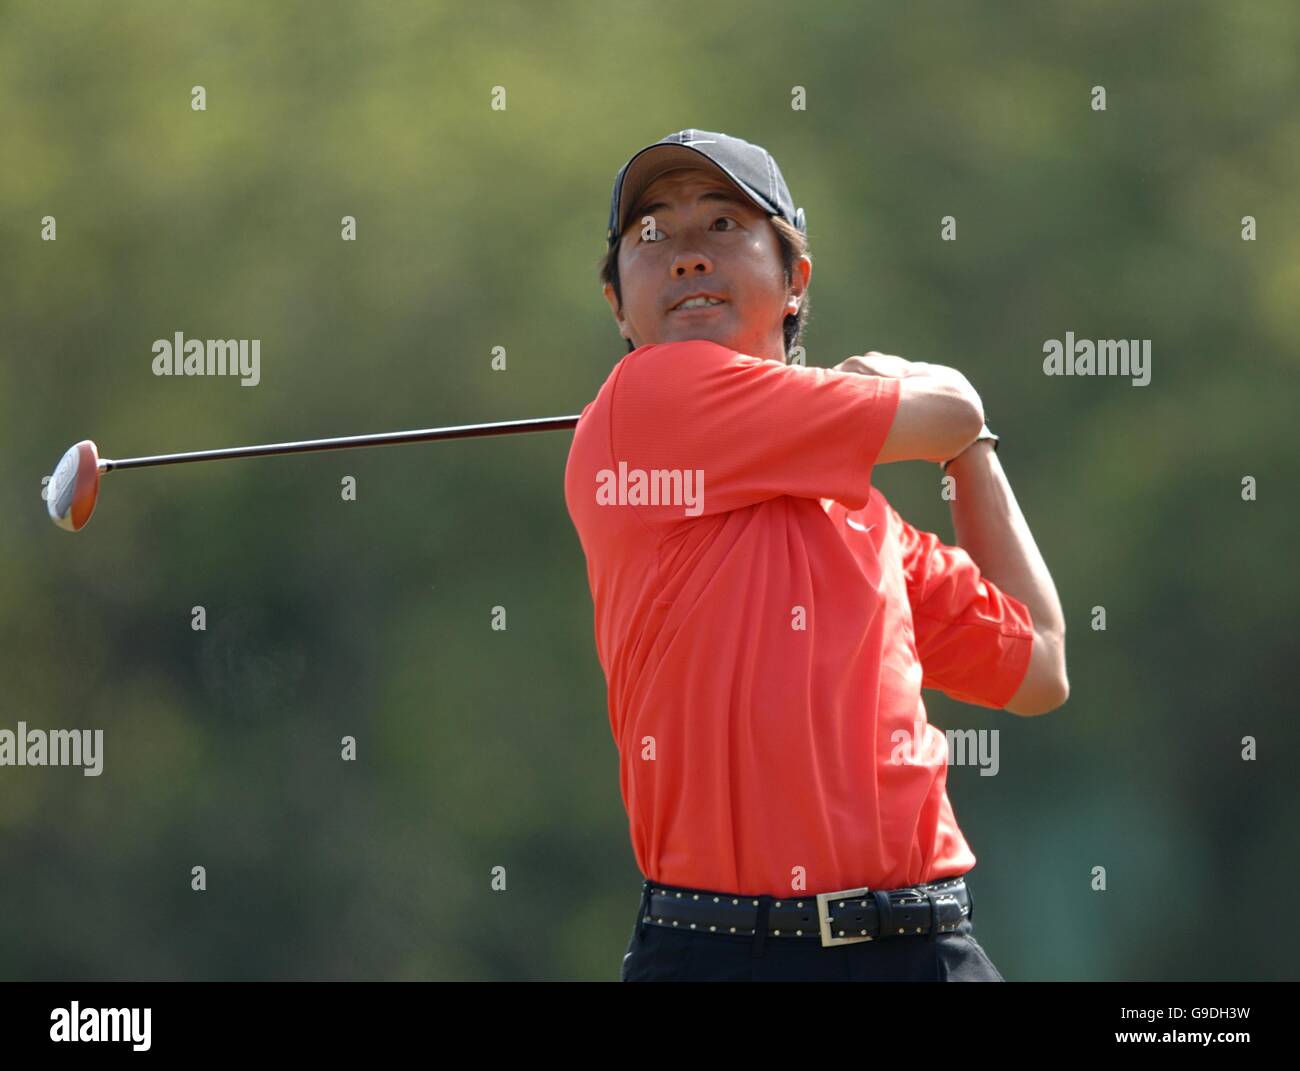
664	954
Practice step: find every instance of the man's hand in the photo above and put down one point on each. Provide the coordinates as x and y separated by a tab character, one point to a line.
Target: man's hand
939	412
872	363
880	364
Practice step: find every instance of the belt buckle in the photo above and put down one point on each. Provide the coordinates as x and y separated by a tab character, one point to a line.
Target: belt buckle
824	921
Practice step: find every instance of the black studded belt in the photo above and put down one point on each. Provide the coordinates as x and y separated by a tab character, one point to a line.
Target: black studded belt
833	918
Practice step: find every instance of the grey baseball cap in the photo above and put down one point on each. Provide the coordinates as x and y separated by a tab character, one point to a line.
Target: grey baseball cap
750	167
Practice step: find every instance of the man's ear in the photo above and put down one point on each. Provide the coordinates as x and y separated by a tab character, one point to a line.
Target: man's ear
608	291
801	278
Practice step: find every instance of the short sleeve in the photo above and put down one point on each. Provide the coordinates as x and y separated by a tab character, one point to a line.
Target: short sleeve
973	639
749	429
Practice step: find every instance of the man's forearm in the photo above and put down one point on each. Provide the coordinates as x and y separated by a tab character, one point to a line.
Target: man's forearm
990	527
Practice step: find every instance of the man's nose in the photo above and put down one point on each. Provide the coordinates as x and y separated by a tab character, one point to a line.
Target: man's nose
691	263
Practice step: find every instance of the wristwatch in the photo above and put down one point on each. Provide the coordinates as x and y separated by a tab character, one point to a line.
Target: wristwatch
984	434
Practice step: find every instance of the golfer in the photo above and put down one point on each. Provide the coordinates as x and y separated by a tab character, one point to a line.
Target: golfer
766	620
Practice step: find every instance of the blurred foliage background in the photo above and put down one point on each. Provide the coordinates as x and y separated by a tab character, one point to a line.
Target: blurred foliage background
481	228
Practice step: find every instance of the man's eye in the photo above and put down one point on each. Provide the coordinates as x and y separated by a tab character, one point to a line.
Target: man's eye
656	230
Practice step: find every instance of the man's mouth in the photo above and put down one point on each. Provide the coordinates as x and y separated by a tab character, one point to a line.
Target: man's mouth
703	301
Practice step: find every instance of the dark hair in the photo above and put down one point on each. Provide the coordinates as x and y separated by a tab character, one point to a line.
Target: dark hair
793	245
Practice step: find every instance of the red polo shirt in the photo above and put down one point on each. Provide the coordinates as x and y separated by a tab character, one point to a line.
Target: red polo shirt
766	621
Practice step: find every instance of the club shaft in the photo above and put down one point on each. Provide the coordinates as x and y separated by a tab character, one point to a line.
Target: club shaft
423	435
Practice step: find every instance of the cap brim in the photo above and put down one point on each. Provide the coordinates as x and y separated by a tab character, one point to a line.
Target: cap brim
654	161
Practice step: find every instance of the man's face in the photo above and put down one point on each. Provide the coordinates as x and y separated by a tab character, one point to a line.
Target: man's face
708	237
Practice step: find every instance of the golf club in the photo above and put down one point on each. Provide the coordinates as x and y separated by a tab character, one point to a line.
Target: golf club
73	488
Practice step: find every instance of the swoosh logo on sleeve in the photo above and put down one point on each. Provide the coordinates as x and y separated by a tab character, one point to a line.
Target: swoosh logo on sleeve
854	524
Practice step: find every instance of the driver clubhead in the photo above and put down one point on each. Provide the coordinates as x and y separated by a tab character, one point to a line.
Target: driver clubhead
71	494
